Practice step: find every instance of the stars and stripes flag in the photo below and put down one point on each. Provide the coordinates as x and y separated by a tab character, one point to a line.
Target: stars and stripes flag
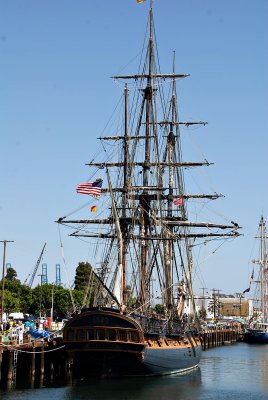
92	188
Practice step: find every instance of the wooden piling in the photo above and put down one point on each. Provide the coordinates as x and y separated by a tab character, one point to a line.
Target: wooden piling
10	370
42	365
32	369
1	357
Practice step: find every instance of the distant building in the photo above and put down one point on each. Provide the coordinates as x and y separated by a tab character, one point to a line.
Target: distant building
224	306
233	307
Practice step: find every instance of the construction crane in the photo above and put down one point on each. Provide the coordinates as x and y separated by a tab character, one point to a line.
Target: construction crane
32	276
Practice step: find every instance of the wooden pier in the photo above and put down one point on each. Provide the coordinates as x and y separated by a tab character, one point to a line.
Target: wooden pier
219	336
31	363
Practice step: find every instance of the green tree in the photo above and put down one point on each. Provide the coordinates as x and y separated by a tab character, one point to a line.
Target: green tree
11	302
63	305
44	295
38	300
86	283
17	297
11	274
82	276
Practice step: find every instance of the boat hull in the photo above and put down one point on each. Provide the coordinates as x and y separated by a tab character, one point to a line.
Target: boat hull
154	362
256	336
170	361
130	353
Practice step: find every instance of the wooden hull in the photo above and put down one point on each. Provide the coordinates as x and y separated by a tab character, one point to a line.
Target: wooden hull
105	343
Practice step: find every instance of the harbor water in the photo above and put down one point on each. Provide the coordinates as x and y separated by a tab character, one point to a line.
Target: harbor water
238	371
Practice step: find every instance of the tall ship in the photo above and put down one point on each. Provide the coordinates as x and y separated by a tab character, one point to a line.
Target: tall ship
143	318
257	332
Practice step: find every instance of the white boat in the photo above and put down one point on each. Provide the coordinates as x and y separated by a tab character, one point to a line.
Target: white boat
257	332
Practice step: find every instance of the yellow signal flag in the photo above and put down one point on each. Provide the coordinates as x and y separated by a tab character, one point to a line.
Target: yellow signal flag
93	208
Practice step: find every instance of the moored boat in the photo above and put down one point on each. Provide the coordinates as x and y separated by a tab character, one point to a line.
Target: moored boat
143	320
103	341
257	332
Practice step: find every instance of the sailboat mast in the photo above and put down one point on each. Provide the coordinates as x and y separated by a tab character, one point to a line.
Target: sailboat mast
168	230
144	201
263	267
124	197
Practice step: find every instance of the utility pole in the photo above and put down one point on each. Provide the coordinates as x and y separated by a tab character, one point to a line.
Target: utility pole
3	276
203	301
203	293
215	302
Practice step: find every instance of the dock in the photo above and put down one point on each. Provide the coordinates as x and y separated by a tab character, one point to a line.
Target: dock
31	362
220	336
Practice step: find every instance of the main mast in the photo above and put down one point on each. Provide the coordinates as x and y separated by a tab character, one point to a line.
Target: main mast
125	193
263	271
144	199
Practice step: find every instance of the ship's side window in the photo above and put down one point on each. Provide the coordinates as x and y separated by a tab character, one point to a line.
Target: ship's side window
80	334
134	337
100	334
111	334
123	336
90	334
70	334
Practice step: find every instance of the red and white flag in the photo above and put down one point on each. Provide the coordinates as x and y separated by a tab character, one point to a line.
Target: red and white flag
178	201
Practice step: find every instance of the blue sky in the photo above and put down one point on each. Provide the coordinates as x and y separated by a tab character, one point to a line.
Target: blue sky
56	96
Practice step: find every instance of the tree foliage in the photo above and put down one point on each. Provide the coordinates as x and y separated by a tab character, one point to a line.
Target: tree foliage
82	276
38	300
11	274
86	283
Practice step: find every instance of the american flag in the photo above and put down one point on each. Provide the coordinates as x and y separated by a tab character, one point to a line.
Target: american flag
93	188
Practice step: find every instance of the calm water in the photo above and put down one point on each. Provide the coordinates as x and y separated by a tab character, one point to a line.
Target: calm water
237	372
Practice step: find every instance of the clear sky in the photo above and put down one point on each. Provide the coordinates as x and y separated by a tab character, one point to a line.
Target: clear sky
56	96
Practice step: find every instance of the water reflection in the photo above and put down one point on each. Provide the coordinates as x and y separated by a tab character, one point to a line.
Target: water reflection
241	369
182	386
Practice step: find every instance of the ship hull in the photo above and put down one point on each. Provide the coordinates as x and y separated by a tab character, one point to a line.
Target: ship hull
139	354
170	361
256	336
155	362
